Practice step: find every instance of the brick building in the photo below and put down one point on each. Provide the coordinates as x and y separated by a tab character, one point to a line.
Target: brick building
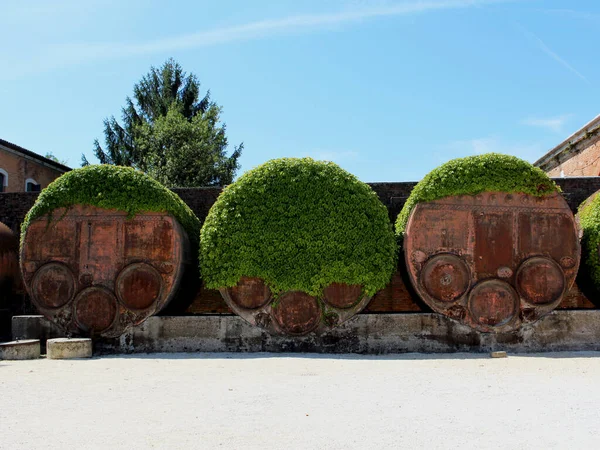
576	156
22	170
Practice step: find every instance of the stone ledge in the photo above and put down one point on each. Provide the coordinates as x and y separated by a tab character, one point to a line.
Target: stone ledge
20	350
63	348
365	333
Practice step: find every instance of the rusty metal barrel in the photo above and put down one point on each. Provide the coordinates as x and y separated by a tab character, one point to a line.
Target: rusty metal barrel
494	260
294	313
9	257
96	271
9	275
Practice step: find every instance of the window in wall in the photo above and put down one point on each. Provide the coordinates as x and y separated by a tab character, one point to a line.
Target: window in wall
3	180
32	186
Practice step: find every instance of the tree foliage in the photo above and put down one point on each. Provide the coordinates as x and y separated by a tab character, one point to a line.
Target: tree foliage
589	221
51	157
170	132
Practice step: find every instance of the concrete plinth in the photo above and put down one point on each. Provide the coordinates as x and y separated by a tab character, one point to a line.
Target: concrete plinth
365	333
18	350
63	348
35	327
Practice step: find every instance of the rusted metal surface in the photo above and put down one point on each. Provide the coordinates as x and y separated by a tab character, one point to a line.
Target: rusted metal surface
494	260
396	297
95	309
342	296
294	313
97	272
250	293
9	274
9	248
297	313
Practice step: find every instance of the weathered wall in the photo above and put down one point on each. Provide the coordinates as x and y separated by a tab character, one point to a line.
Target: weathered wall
20	169
586	163
365	333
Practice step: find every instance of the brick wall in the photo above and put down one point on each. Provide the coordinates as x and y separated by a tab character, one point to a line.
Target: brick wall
20	169
14	207
585	162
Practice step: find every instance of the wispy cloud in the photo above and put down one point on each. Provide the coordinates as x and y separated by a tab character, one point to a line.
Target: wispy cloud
492	144
55	56
554	124
552	54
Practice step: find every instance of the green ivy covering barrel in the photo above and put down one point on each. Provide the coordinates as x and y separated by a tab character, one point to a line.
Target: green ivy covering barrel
113	187
290	232
491	172
589	221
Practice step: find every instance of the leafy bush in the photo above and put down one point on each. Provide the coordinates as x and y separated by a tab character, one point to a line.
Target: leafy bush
113	187
299	225
589	220
473	175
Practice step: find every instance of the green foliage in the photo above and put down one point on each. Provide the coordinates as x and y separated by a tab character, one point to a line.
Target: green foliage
299	225
475	174
168	97
183	152
112	187
51	156
589	221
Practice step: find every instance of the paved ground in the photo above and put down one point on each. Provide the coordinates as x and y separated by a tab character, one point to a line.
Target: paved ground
264	401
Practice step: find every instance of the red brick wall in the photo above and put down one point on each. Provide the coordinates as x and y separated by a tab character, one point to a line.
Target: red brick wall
585	163
19	169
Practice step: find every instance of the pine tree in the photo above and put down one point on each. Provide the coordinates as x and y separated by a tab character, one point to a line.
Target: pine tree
169	132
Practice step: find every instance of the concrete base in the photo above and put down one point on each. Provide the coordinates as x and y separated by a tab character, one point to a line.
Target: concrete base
18	350
35	327
365	333
63	348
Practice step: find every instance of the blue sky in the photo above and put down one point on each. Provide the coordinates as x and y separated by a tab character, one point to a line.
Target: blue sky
388	89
